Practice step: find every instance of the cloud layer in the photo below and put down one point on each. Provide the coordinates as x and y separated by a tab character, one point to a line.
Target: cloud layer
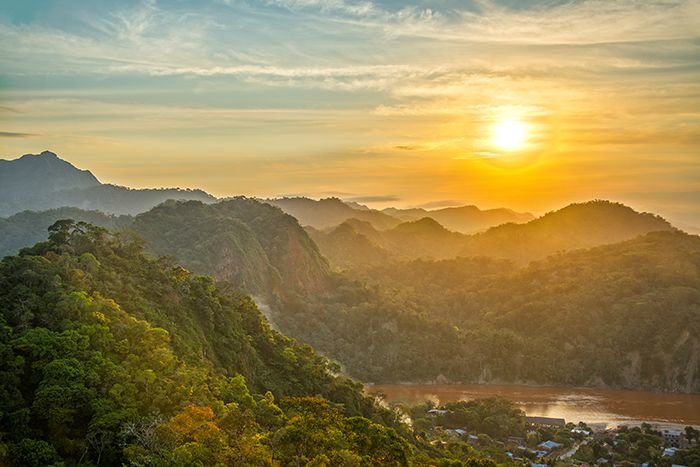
270	96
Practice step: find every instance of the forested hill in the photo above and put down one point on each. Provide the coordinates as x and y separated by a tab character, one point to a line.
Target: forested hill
250	244
466	319
44	181
357	244
109	357
620	315
581	225
29	227
242	241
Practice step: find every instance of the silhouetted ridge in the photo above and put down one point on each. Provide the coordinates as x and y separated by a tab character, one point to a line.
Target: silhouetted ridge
44	181
581	225
330	212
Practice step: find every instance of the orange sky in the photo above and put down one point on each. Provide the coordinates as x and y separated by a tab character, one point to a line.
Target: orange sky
387	102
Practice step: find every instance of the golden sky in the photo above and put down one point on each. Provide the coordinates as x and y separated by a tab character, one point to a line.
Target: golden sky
385	102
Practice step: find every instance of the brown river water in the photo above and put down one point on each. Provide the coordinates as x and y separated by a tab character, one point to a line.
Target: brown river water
599	407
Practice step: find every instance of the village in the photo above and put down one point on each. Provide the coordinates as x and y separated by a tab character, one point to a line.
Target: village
494	428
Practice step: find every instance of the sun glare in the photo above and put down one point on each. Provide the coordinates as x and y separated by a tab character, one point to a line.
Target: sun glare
509	134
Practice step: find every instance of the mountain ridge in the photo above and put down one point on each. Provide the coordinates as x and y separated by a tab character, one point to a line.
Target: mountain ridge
45	181
575	226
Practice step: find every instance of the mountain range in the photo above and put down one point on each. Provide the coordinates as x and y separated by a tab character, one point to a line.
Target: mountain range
43	181
414	301
356	243
464	219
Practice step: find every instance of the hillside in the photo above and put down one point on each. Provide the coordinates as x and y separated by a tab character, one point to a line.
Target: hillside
44	181
345	247
356	244
464	319
576	226
463	219
241	240
573	227
111	357
424	238
621	315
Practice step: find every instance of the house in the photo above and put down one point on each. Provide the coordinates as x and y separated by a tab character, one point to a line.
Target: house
580	430
473	439
601	460
546	421
437	412
669	452
456	432
516	441
549	445
674	438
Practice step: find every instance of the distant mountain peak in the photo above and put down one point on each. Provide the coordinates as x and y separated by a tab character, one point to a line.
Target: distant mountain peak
45	181
463	219
45	155
603	210
42	174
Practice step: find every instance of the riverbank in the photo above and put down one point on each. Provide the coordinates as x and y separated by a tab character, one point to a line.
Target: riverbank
607	407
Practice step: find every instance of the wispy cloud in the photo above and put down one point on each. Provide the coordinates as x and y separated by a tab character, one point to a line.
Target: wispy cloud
373	95
10	134
444	203
359	8
373	199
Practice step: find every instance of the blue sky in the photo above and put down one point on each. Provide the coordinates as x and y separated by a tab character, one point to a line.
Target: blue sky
388	99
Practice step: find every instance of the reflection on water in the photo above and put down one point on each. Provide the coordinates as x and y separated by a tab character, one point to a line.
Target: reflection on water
610	407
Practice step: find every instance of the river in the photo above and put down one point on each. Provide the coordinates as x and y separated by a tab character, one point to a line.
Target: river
598	407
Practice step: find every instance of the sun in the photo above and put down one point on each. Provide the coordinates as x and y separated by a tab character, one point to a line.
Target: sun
509	134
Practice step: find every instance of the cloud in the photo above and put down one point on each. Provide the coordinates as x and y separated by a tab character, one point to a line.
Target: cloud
10	134
445	203
574	22
373	199
361	8
349	86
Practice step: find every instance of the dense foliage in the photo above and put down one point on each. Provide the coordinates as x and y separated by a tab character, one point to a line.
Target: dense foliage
621	315
109	357
247	243
29	227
